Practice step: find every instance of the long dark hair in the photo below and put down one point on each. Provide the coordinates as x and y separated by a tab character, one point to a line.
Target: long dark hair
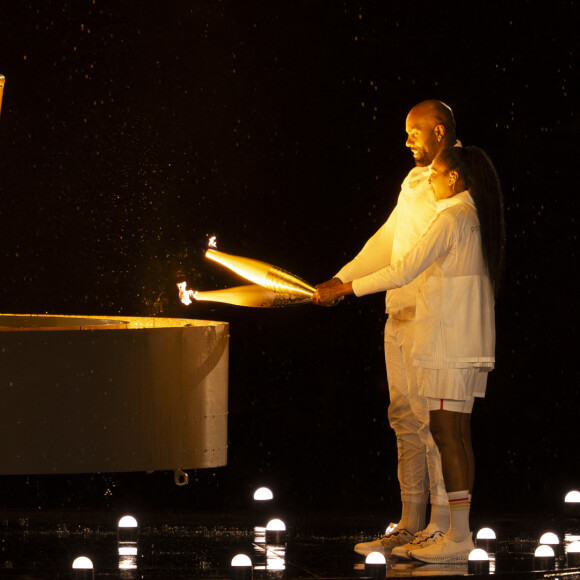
480	176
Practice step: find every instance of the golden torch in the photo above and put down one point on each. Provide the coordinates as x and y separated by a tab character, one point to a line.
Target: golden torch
250	295
262	274
272	287
2	79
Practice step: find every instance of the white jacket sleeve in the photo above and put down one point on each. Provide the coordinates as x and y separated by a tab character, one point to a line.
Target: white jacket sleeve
434	243
376	253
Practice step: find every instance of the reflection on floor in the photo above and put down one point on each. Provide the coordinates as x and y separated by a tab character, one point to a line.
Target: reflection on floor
44	544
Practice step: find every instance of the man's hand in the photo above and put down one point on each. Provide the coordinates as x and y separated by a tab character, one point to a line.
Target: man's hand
332	292
330	283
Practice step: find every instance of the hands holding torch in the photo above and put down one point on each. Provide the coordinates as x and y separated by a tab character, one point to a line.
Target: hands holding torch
272	287
331	292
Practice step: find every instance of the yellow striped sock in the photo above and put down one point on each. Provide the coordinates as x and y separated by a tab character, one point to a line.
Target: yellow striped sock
459	504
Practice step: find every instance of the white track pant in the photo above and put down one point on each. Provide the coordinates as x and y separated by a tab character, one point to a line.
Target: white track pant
419	462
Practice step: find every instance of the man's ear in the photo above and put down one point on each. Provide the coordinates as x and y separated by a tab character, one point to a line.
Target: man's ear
439	132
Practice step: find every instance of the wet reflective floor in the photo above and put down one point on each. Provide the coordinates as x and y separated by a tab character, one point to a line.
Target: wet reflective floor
44	544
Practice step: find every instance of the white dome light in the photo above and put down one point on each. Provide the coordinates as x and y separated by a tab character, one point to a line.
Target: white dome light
478	555
549	538
127	522
375	558
241	560
486	534
572	497
574	548
276	526
263	494
82	563
544	551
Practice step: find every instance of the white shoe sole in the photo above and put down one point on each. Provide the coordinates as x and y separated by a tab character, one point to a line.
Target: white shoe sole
457	558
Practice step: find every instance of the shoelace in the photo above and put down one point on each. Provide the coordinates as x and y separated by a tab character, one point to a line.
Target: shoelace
395	533
423	538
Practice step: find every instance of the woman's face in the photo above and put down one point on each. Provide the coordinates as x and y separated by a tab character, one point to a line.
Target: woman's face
442	180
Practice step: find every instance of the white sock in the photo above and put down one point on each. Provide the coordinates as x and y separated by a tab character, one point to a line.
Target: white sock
459	504
439	521
413	517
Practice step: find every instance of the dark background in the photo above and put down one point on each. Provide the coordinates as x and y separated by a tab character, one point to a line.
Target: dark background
130	131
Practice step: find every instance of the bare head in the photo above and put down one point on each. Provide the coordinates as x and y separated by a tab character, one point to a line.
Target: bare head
430	128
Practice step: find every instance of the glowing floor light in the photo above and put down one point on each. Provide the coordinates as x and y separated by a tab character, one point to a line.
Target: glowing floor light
82	563
127	529
241	567
572	503
127	522
263	494
376	565
486	540
552	540
486	534
275	532
573	554
478	562
544	558
83	568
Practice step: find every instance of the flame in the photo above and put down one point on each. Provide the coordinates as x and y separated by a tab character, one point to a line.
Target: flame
212	242
186	295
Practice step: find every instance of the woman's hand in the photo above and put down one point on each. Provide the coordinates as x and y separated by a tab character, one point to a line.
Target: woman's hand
332	292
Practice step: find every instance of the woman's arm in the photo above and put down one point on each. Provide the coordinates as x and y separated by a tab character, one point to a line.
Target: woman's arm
434	243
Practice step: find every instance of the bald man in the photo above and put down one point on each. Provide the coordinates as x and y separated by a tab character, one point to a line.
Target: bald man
430	127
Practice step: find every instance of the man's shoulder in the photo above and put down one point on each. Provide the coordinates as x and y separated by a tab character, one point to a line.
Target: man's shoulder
417	189
417	173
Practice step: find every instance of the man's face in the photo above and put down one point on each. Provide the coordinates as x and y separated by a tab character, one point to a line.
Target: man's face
421	138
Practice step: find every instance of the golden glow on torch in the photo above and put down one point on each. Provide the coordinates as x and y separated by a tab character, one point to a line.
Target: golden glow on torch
272	287
2	80
262	273
250	295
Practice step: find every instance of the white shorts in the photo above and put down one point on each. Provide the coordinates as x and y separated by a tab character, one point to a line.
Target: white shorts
457	384
450	405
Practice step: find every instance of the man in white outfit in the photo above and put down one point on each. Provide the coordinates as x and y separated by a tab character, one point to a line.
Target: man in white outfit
430	127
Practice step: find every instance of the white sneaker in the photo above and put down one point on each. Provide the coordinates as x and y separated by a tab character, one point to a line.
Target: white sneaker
393	538
422	539
444	550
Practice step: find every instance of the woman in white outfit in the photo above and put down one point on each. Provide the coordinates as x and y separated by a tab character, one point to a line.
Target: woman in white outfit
458	262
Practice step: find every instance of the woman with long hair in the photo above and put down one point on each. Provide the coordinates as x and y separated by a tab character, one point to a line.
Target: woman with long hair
459	263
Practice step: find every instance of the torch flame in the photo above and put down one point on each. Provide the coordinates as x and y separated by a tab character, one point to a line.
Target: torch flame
212	242
186	295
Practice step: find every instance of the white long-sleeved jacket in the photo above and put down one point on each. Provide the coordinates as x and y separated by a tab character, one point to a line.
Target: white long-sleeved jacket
414	211
455	319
